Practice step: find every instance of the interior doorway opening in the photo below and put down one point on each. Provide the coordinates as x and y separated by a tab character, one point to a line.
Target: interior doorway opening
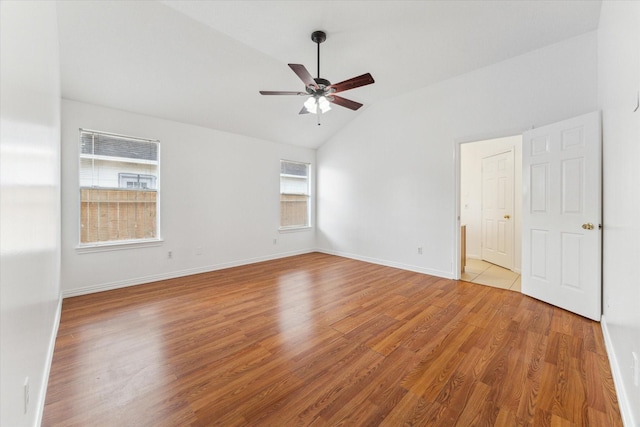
491	211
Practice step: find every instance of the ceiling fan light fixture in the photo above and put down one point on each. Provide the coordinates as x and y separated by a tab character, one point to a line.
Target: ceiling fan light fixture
324	104
311	105
314	102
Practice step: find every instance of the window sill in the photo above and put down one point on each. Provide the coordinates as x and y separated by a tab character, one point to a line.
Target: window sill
294	229
118	246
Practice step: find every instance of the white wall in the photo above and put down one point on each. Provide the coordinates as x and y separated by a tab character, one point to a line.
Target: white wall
619	88
219	202
387	183
471	156
29	205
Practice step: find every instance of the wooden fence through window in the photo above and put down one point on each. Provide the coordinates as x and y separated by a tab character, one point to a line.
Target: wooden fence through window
111	215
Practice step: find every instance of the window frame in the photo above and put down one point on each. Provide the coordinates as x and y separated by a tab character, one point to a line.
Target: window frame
308	194
110	245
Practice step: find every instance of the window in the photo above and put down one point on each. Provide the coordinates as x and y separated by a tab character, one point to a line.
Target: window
132	180
119	200
295	206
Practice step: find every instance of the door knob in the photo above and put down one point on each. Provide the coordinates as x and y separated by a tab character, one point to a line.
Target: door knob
507	217
587	226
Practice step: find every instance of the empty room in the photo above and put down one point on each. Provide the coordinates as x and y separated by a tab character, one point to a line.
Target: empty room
291	213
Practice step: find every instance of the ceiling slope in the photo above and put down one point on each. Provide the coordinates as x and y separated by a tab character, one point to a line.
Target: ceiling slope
203	62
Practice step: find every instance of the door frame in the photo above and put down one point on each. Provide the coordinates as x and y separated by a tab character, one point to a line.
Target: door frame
456	274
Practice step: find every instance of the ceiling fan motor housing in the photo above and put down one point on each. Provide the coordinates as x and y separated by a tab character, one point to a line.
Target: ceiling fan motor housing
322	82
323	89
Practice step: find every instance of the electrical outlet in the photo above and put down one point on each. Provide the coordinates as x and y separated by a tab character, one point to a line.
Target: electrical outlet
26	395
420	250
275	241
635	369
199	250
170	254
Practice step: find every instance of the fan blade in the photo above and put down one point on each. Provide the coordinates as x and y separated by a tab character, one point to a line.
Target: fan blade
280	92
304	110
304	75
344	102
353	83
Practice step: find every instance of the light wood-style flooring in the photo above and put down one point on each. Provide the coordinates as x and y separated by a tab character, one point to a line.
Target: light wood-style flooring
322	340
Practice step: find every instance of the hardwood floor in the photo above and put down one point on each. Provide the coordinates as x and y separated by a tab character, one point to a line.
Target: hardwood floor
322	340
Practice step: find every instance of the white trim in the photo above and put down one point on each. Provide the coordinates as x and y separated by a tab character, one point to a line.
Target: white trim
457	232
174	274
47	368
117	135
623	399
401	266
288	175
118	159
118	245
294	229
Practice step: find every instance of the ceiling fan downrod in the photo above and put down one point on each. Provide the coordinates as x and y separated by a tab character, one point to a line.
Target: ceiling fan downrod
318	37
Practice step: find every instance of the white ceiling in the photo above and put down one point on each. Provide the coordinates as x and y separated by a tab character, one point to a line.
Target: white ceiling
203	62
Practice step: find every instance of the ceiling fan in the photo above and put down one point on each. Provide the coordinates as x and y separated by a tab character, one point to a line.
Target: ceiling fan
320	91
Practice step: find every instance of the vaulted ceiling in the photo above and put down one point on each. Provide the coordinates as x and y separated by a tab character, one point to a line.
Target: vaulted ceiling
203	62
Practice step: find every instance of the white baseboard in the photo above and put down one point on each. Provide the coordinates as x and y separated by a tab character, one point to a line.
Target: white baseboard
205	269
386	263
47	368
174	274
623	400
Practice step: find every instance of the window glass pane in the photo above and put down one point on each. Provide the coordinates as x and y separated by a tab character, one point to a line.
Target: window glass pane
114	215
293	185
118	188
294	211
115	146
292	168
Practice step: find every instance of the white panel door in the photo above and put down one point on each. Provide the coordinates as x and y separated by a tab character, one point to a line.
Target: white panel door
561	231
497	209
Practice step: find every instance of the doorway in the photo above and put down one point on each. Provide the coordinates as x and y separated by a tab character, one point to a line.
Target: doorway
490	211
